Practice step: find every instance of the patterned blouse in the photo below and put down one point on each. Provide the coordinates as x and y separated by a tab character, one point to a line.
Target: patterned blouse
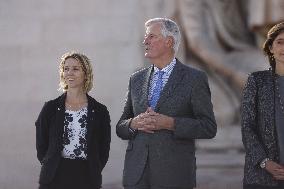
74	136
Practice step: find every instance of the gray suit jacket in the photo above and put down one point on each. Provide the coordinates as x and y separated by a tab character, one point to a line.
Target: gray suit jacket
171	154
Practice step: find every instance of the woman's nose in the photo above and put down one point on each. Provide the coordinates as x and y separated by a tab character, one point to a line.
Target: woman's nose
70	72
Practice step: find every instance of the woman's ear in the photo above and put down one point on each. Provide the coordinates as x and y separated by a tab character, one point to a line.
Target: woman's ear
271	49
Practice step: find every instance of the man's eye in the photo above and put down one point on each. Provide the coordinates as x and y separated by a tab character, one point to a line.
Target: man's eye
149	36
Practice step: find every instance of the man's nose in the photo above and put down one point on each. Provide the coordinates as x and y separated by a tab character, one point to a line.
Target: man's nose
146	41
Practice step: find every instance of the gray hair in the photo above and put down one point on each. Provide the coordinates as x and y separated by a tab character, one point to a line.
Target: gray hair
168	28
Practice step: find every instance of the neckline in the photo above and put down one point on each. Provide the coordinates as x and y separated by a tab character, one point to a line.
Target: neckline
76	111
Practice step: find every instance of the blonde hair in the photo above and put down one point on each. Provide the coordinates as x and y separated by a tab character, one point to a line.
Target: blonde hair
86	66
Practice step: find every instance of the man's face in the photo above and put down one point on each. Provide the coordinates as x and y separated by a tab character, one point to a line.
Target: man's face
155	42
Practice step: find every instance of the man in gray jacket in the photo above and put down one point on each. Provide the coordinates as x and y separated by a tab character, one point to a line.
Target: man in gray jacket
168	106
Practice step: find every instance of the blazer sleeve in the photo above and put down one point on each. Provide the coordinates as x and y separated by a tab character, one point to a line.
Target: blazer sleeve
105	139
122	127
202	124
252	143
42	130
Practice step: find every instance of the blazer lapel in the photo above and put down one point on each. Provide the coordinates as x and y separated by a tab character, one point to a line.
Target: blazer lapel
173	81
142	87
269	101
60	116
92	116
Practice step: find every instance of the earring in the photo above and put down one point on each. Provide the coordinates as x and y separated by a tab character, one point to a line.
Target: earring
272	56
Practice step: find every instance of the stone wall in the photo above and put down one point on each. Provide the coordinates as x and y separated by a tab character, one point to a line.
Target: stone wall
34	34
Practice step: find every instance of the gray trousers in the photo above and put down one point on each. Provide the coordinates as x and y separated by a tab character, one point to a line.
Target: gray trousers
145	182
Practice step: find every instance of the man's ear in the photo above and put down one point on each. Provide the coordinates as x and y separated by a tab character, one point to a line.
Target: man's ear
170	41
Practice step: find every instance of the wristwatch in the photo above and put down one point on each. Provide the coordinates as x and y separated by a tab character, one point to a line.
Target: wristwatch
263	163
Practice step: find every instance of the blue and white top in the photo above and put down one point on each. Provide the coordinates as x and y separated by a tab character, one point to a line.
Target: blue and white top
167	72
75	132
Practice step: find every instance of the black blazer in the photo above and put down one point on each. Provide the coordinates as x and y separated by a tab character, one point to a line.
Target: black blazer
258	127
49	132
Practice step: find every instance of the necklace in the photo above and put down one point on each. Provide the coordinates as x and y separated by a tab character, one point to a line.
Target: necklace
75	106
278	95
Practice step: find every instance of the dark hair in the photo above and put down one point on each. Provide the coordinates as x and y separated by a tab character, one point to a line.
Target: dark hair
267	45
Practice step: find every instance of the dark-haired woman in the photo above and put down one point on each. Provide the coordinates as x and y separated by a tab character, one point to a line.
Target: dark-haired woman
263	118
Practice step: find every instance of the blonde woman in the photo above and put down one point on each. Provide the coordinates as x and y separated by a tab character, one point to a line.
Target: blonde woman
73	130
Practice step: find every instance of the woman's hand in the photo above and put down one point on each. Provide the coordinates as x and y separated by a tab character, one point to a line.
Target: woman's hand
275	169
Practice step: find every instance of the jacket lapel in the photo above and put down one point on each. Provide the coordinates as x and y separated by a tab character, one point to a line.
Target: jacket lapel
60	116
93	116
173	81
269	104
142	88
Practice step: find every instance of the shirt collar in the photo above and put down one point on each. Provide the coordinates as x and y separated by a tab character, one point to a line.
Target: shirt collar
168	69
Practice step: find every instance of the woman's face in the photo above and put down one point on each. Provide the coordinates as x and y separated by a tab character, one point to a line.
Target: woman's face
73	74
277	48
